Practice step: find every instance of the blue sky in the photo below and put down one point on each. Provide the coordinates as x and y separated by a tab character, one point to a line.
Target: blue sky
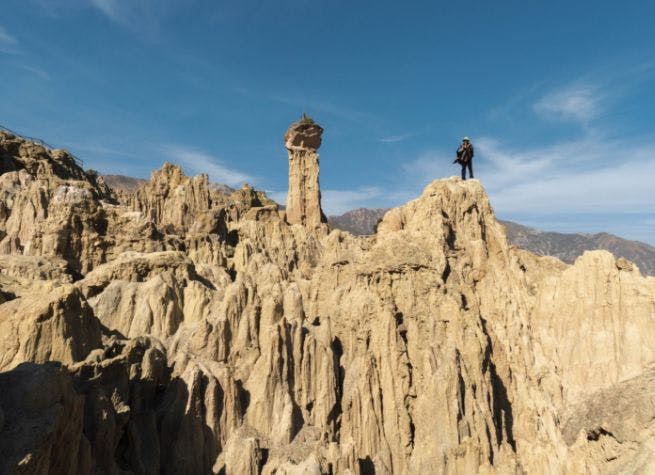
558	97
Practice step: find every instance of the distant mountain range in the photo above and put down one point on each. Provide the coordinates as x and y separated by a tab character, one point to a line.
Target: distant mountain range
566	247
360	221
123	182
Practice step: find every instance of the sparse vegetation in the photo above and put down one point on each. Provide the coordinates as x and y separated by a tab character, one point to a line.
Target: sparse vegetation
305	119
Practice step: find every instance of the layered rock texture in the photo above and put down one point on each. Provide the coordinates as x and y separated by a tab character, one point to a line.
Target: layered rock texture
302	140
567	247
180	329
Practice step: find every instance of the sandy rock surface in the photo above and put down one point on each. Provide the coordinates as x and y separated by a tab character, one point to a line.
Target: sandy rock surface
196	331
302	140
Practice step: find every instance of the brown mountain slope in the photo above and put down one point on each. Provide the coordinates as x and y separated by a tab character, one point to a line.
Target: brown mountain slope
123	182
360	221
567	247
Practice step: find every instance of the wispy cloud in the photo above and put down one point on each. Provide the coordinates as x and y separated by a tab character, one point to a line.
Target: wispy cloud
36	72
8	43
112	8
585	100
142	17
579	103
322	105
310	103
198	161
396	138
85	148
622	182
592	175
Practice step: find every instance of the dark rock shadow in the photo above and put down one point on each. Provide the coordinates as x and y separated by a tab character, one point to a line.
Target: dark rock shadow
501	406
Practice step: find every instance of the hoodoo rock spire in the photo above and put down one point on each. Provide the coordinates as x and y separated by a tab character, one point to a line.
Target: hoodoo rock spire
302	140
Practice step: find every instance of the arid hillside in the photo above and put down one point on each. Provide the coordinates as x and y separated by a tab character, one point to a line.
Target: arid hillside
123	182
177	328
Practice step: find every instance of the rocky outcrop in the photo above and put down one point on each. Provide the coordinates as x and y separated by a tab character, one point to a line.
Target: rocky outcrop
302	140
568	247
147	294
202	333
42	422
38	327
171	200
614	428
43	195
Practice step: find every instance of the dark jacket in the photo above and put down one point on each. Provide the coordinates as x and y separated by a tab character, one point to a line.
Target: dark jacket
464	155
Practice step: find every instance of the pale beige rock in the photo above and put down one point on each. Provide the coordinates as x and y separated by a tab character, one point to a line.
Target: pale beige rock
172	200
206	333
302	140
598	319
612	431
38	327
243	455
147	294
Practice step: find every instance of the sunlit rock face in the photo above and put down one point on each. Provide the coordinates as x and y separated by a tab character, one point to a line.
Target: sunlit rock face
199	331
302	140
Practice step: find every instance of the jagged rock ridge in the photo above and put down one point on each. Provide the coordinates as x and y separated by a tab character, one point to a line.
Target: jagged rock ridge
567	247
196	332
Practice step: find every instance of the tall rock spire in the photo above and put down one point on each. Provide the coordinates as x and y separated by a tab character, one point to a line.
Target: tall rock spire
302	140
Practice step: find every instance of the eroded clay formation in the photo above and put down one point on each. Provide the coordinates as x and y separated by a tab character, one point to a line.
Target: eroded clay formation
180	329
302	140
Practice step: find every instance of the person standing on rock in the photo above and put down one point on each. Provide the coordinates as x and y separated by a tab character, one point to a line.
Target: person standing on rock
465	157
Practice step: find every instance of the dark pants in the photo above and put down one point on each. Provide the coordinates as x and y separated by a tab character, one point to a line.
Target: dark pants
469	164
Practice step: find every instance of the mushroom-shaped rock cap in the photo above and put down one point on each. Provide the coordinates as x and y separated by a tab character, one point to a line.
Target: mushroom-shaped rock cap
304	134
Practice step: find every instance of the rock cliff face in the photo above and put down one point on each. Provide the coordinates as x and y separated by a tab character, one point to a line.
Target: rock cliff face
567	247
302	140
178	329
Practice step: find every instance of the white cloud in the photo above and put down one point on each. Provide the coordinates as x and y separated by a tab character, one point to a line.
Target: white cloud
8	43
88	148
200	162
593	175
589	175
579	103
142	17
36	72
627	187
111	8
396	138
